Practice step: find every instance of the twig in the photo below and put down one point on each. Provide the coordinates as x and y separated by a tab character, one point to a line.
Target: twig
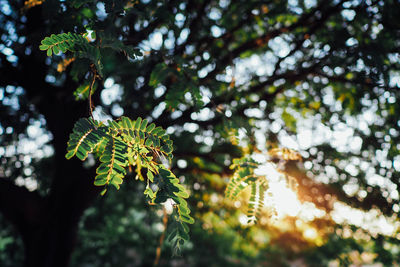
162	237
90	91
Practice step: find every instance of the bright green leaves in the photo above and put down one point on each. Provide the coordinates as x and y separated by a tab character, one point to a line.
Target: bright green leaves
171	188
256	200
113	163
84	138
244	177
82	48
57	43
75	43
124	143
119	144
146	137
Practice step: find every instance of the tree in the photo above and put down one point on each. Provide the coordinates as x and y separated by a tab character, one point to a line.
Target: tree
226	80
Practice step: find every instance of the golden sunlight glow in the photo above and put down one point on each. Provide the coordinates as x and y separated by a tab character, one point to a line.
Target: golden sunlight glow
279	196
310	233
285	202
284	199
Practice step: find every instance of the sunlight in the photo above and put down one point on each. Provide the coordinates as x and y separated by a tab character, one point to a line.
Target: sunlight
284	199
310	233
279	196
372	221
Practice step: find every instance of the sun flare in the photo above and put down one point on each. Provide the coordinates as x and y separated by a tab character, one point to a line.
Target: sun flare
285	201
279	196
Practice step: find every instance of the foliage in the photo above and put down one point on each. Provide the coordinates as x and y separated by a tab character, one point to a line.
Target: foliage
227	80
120	145
243	177
187	77
82	48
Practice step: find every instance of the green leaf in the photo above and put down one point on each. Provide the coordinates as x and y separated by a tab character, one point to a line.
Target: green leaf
82	92
103	192
43	47
150	176
117	45
56	50
144	124
150	128
85	137
138	123
244	177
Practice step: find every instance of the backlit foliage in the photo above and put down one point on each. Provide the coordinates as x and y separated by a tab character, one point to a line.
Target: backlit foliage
229	79
73	42
244	177
82	47
62	66
31	3
284	154
122	144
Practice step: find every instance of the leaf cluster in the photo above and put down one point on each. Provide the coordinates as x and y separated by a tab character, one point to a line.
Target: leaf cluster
243	177
82	47
123	144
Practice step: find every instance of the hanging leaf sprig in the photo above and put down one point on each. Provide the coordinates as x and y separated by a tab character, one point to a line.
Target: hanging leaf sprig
125	143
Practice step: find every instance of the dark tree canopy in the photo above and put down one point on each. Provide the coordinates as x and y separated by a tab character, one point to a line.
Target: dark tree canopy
311	87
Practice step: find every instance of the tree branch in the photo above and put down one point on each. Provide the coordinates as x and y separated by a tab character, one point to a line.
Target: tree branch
264	39
324	195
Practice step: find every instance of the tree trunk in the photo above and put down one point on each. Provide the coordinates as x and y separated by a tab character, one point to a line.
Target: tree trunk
52	242
49	225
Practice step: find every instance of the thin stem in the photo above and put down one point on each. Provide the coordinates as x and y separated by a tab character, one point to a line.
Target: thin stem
90	92
162	237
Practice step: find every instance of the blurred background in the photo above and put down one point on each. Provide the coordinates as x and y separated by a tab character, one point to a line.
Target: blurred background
226	79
